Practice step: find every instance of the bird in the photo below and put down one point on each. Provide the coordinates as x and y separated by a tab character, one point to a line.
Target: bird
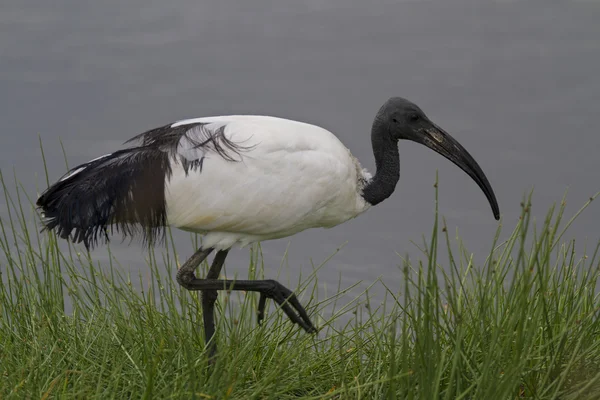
236	180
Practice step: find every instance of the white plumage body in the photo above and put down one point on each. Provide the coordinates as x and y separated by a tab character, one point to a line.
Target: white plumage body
294	176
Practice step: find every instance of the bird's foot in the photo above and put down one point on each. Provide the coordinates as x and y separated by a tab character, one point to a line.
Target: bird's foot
288	302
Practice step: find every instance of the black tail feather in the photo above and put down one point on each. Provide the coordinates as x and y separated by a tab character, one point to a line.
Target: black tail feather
122	192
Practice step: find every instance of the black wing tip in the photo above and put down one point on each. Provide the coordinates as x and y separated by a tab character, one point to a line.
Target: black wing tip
93	236
122	193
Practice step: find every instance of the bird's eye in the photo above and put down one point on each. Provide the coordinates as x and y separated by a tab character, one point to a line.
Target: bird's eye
395	120
414	117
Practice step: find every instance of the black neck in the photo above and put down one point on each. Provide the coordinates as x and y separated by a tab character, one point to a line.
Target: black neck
387	162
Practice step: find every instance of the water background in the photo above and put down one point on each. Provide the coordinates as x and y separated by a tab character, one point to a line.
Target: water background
516	82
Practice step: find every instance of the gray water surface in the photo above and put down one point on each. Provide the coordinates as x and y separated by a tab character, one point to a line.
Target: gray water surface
516	82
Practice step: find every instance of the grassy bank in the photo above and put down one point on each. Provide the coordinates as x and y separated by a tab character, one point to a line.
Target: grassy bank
524	325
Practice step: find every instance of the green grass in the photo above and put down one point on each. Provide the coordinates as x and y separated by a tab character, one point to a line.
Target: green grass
523	325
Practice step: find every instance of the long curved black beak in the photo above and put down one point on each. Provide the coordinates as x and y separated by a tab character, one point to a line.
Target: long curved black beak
441	142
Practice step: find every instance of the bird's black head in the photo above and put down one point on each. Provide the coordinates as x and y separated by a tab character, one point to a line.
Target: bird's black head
399	119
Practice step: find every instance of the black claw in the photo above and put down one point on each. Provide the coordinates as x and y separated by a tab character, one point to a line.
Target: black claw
262	302
289	304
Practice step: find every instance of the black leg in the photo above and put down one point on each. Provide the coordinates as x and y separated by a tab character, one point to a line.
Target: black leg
186	273
209	297
267	288
209	287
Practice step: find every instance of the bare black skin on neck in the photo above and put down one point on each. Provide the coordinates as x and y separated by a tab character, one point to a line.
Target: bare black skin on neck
400	119
387	162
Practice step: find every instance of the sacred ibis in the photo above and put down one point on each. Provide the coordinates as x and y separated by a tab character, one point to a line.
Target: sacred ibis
236	180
